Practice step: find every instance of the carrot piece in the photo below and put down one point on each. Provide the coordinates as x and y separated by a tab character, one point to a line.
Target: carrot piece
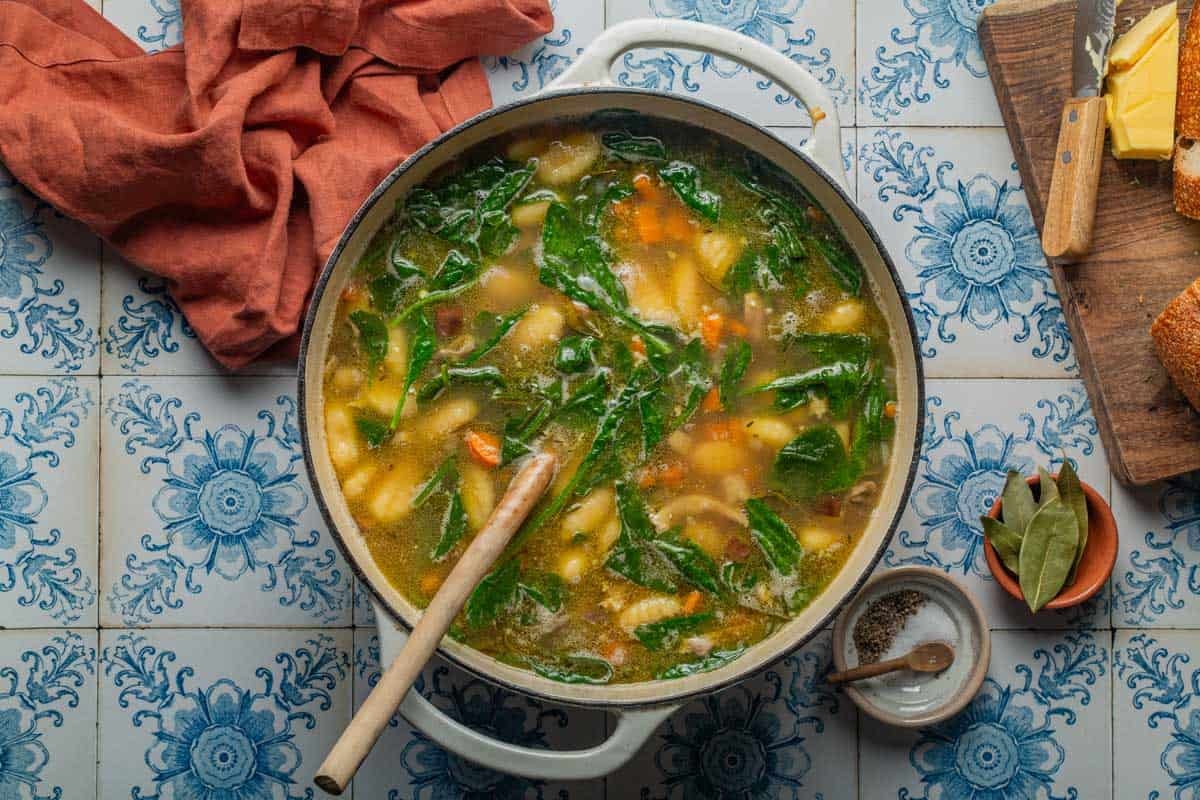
736	327
711	402
889	409
623	209
691	602
430	583
483	447
649	226
711	328
678	226
646	188
646	478
723	431
637	345
671	475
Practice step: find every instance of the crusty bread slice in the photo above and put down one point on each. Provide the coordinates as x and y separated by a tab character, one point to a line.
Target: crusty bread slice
1187	177
1176	335
1187	123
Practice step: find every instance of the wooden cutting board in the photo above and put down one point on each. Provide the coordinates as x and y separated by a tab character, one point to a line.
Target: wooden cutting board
1143	253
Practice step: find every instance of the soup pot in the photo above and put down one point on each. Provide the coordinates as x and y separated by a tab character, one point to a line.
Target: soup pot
584	89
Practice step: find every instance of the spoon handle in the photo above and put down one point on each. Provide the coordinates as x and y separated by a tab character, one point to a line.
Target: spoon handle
372	717
868	670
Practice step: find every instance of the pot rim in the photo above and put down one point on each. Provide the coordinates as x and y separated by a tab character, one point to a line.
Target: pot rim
785	647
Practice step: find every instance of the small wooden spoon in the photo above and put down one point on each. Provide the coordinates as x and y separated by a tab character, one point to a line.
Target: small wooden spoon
927	657
364	729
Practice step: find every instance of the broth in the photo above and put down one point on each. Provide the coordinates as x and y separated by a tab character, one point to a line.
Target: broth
682	326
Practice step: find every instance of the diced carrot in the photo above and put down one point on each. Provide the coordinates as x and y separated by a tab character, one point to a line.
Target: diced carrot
647	478
678	226
889	409
711	328
671	475
725	430
430	583
649	226
711	402
736	327
691	602
483	447
637	345
646	187
623	209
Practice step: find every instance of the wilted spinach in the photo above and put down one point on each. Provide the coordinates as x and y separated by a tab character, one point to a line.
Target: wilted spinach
813	463
733	368
449	376
372	337
773	537
574	669
575	354
470	208
374	431
684	178
714	660
424	344
454	525
628	147
634	555
665	634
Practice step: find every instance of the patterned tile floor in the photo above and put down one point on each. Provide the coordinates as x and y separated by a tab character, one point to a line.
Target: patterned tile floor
109	625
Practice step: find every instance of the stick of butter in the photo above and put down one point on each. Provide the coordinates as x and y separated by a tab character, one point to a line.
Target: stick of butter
1143	69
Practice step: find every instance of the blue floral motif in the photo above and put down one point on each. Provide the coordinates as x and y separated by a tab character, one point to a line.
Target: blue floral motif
56	332
167	30
32	434
229	505
976	250
769	21
962	472
223	741
942	35
1003	745
1158	577
146	329
549	59
32	704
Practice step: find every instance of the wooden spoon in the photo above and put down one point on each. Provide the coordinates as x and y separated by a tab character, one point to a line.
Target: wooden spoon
927	657
364	729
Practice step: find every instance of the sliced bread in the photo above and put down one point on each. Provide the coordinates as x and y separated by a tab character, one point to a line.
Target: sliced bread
1187	123
1176	335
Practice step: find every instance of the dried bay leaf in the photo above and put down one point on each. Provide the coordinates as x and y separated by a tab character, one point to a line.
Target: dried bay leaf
1049	489
1047	552
1006	541
1071	492
1017	505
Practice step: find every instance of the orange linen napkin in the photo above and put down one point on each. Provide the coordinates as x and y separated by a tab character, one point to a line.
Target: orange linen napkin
230	164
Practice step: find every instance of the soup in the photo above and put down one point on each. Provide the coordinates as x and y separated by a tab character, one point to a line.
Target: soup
689	334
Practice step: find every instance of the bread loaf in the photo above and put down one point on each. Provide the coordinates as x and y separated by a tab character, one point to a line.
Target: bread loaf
1176	335
1187	123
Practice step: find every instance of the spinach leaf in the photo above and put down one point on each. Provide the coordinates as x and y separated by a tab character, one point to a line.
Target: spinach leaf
653	420
773	537
456	274
714	660
588	396
592	209
504	324
690	379
813	463
469	208
628	147
575	354
520	431
871	426
404	269
386	293
372	337
739	578
847	272
575	261
495	593
841	382
828	348
633	555
446	470
454	525
373	431
574	669
544	588
424	343
733	368
665	634
684	178
448	376
690	561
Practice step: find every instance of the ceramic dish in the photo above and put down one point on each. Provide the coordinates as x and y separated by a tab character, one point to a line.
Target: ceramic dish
911	699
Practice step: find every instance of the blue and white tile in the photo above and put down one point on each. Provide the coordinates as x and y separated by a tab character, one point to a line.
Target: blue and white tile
153	24
145	333
530	69
1156	714
1039	728
784	733
920	63
49	287
208	517
798	136
975	431
239	715
1156	582
817	34
47	714
49	512
406	763
950	208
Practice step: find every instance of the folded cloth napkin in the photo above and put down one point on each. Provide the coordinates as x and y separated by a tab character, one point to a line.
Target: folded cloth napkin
230	165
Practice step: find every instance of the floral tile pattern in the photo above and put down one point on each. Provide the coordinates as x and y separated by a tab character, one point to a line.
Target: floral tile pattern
531	68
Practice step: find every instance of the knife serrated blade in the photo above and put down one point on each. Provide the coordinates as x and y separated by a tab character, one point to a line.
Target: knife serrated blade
1094	21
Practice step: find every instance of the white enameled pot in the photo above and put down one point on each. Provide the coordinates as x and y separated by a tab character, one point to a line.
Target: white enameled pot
584	89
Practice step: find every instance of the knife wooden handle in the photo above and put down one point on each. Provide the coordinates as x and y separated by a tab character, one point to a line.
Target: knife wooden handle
1071	208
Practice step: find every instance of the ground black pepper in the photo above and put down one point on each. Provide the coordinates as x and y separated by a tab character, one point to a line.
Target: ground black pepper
876	629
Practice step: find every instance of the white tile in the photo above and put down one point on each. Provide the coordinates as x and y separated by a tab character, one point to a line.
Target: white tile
233	713
1040	727
47	714
817	34
208	516
952	213
528	70
783	733
920	63
49	457
975	430
49	287
153	24
406	763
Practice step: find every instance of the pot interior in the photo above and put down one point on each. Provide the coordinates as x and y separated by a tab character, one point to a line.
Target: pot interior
881	279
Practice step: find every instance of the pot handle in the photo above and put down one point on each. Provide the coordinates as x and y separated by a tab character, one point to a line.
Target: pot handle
633	728
594	65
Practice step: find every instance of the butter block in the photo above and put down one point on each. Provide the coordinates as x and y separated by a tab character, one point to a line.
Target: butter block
1142	100
1134	43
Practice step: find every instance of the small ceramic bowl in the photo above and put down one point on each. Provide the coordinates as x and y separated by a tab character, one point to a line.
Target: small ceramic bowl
1099	556
912	699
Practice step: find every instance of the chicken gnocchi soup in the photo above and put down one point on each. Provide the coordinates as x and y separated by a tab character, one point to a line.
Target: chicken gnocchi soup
682	327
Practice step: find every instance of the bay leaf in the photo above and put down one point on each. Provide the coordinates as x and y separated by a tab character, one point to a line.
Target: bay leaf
1047	553
1071	492
1049	489
1017	505
1005	540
